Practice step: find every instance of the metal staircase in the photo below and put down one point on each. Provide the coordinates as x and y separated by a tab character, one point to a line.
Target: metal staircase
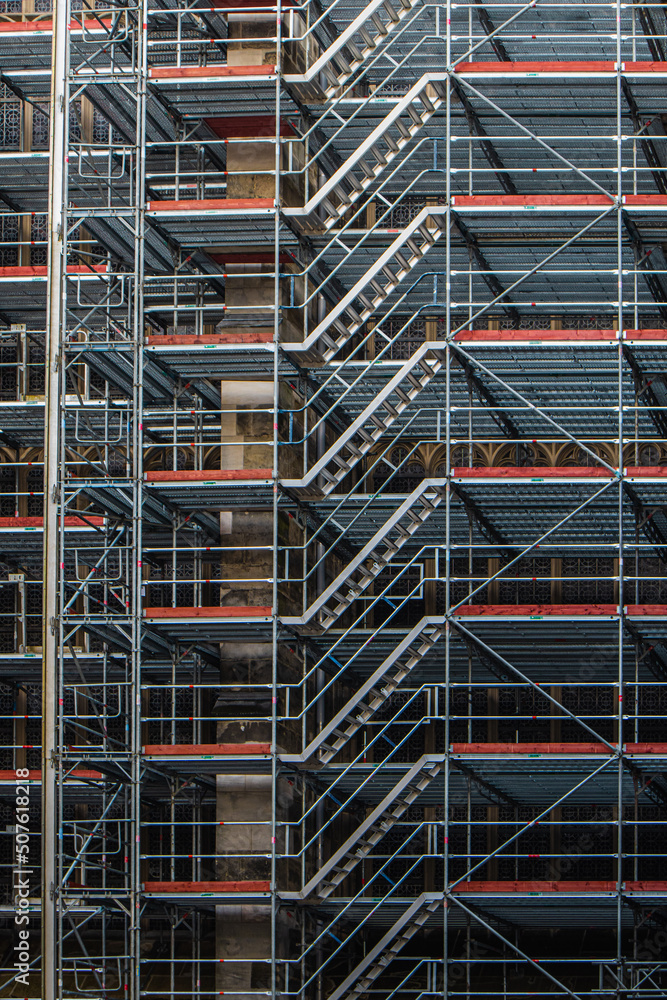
376	825
350	50
344	188
385	951
379	281
362	168
374	692
387	541
372	423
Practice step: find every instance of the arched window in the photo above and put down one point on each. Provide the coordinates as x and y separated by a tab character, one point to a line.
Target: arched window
521	455
460	459
575	455
652	454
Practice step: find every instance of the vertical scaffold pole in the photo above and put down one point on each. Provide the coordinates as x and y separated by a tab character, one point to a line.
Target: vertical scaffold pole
137	467
50	653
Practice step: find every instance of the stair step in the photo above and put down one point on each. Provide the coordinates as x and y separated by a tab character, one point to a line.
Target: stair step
387	823
379	155
330	208
341	61
413	248
391	11
354	316
414	381
398	808
364	715
403	129
378	289
367	169
342	194
328	71
369	41
329	342
365	436
427	234
427	102
340	327
402	261
379	25
414	114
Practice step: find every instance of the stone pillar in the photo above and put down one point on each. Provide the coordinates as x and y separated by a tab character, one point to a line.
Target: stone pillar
244	846
250	298
243	948
244	803
244	933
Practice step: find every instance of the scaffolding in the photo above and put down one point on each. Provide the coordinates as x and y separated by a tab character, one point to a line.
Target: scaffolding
333	458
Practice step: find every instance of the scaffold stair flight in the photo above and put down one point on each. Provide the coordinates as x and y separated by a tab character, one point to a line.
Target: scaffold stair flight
375	826
373	422
374	693
351	49
359	981
376	554
380	279
373	155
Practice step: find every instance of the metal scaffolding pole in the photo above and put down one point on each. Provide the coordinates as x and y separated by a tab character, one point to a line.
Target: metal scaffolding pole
51	709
